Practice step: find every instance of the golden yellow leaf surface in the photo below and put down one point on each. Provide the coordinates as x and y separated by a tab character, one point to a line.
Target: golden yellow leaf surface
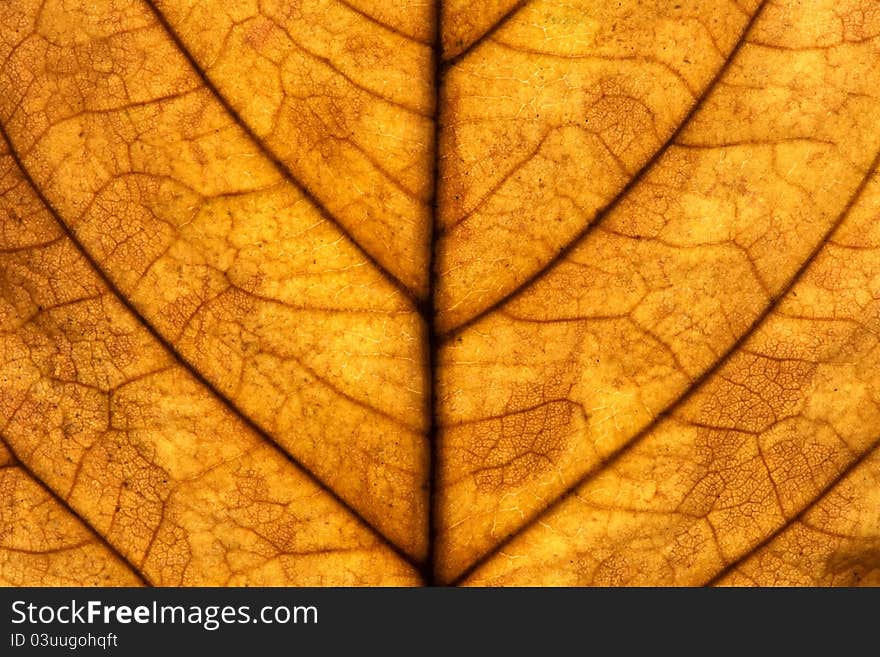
349	292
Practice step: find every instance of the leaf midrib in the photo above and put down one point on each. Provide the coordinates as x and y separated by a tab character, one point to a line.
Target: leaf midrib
429	315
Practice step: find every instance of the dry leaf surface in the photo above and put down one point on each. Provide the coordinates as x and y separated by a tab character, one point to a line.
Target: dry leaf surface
348	292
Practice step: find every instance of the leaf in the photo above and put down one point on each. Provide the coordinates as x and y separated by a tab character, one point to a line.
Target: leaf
514	293
43	543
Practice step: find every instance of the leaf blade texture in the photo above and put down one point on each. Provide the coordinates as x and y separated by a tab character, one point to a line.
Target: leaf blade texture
512	293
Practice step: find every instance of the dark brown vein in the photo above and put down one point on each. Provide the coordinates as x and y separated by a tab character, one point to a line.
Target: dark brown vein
432	344
817	499
606	210
485	36
381	23
193	371
20	463
330	64
282	168
689	392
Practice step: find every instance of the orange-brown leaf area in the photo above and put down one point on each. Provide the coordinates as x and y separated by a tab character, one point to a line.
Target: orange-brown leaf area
357	292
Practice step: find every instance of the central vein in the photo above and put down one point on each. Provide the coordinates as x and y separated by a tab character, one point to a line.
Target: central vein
429	308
